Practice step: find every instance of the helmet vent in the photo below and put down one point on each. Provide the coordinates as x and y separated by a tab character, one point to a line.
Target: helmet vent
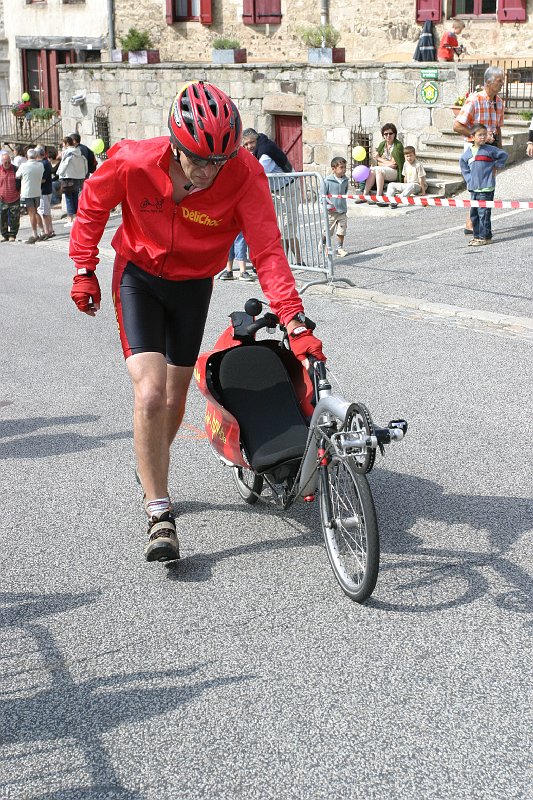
210	143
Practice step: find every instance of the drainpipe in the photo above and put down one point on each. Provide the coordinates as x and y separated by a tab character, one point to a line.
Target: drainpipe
324	15
111	24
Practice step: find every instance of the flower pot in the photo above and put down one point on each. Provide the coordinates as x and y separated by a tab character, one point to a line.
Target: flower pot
119	55
144	57
326	55
456	110
229	56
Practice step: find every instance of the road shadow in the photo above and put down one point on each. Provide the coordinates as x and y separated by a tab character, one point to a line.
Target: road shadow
75	713
495	524
21	441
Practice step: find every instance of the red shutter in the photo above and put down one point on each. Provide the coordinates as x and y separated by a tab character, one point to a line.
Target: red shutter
428	9
268	11
170	12
206	15
248	17
512	11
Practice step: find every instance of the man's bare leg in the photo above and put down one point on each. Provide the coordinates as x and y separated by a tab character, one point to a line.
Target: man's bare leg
160	392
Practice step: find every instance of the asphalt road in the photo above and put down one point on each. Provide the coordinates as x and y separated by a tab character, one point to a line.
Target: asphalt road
242	671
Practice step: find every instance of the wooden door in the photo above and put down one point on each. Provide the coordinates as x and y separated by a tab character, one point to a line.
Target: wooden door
288	135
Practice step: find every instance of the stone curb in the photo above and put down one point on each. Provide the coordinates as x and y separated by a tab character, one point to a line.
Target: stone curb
438	309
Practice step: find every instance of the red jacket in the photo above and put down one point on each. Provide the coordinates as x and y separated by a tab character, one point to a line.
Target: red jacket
190	239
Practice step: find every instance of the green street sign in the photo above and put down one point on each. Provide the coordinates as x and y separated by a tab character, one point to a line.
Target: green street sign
430	93
429	74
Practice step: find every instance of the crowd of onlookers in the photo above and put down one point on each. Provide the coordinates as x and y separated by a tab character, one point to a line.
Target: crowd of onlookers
36	179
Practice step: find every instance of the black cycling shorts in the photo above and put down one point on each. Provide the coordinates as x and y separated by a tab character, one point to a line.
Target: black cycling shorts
155	315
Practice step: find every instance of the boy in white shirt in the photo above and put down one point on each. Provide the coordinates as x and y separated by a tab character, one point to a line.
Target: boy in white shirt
414	176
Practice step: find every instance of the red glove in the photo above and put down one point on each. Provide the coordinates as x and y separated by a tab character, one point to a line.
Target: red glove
86	293
304	344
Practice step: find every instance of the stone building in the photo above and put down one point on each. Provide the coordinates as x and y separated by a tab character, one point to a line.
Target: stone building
4	61
379	31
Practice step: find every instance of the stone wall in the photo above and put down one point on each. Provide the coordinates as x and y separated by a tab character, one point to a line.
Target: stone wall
378	31
331	101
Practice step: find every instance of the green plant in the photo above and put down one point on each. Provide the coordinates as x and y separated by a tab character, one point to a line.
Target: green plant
136	40
527	115
320	36
44	113
226	44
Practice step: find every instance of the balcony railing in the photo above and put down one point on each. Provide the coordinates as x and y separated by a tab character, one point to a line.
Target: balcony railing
20	130
517	90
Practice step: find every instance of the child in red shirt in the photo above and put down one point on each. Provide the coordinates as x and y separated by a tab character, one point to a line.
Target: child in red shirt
449	44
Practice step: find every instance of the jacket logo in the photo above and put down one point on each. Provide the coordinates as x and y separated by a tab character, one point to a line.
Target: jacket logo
201	219
147	205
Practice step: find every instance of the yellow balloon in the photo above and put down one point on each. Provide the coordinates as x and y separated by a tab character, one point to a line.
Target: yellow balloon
98	146
25	97
359	153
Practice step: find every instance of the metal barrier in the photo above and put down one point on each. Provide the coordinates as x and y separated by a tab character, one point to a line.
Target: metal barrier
517	91
301	211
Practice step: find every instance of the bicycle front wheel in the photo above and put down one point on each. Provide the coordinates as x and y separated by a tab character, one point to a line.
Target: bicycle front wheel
350	529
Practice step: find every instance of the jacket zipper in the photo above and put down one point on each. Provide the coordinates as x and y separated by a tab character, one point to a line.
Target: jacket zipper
171	240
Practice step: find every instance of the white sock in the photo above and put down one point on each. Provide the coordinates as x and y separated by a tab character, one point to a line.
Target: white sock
154	508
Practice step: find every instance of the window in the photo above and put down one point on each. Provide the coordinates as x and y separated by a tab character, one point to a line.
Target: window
178	10
261	12
474	8
428	9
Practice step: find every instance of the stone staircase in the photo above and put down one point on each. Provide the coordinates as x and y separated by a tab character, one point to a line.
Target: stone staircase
440	157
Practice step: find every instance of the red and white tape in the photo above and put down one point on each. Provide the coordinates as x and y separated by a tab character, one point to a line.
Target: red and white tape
436	201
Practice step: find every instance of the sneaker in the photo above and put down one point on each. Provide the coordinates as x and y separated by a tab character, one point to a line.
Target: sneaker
68	224
468	232
5	238
245	276
163	543
227	275
471	242
393	205
341	252
12	238
478	242
382	205
42	237
31	240
49	235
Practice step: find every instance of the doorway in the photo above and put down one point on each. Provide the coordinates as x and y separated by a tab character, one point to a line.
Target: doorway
288	135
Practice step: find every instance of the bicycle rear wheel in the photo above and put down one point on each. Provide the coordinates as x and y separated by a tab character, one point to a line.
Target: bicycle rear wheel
249	485
350	528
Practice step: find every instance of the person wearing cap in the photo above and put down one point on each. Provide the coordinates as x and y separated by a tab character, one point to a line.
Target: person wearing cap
184	201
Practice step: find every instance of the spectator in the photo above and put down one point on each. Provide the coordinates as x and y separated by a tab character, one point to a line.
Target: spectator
449	44
284	189
20	155
55	161
31	174
9	199
483	108
71	172
87	152
390	159
414	174
45	206
529	148
479	164
237	254
337	183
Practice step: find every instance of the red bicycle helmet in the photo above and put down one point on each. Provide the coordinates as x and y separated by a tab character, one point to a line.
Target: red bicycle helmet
205	123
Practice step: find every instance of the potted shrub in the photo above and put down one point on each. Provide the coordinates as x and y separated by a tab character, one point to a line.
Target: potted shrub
44	114
228	51
139	48
322	47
